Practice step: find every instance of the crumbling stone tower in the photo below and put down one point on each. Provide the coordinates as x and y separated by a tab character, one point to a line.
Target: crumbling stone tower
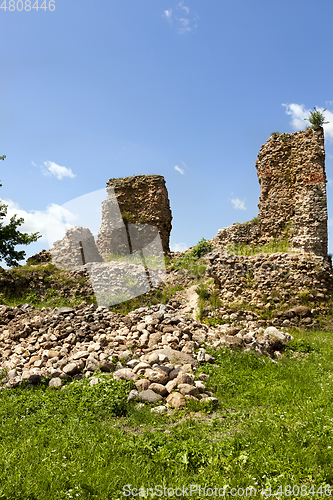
292	203
142	200
291	173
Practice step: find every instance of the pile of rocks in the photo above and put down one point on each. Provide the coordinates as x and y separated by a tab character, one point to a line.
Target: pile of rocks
160	344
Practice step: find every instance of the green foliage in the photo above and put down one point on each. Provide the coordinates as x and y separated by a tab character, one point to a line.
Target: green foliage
209	300
302	345
127	216
255	220
201	248
191	260
191	264
271	247
316	118
10	236
275	134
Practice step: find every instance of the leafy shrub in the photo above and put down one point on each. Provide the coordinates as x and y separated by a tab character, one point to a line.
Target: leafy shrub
201	248
316	118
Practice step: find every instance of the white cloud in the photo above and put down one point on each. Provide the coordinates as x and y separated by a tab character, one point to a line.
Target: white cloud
184	21
330	222
55	217
178	247
185	25
182	6
167	14
238	204
330	182
180	170
298	112
51	168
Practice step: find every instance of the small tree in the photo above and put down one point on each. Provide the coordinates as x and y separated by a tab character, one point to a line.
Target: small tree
10	237
316	118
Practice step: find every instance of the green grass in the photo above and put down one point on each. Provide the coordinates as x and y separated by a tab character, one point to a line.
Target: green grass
272	247
274	426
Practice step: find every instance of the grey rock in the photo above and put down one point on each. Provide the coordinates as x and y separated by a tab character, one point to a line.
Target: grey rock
159	389
142	384
92	364
55	382
63	310
71	369
176	400
149	396
187	389
274	332
133	395
107	366
125	374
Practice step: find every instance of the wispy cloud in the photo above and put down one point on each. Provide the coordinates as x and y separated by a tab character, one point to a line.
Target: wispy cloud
238	204
178	247
330	182
55	217
168	15
184	20
298	112
180	170
182	6
51	168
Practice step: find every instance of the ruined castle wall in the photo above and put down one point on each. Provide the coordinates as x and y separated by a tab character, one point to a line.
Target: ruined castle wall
142	200
271	281
292	203
291	173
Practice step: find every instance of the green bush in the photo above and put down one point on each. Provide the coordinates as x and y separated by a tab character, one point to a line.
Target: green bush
201	248
316	118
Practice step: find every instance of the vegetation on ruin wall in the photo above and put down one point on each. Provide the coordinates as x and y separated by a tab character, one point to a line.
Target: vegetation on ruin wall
275	245
273	426
41	285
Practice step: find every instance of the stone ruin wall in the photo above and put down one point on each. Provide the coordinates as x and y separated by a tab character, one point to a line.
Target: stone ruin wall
137	208
292	203
143	200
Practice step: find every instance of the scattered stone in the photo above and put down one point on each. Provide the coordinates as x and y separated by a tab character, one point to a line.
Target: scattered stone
187	389
159	389
149	396
55	382
125	374
133	395
142	384
176	400
159	409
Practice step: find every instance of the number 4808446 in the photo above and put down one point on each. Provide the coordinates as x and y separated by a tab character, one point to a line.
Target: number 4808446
27	5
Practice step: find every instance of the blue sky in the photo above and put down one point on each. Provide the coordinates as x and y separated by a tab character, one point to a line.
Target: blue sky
186	89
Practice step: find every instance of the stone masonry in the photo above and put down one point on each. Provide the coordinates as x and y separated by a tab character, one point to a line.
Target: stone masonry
142	200
292	203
